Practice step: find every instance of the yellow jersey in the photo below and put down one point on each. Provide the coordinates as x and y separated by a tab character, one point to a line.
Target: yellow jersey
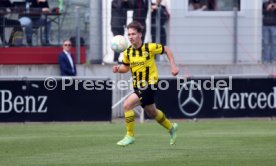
142	63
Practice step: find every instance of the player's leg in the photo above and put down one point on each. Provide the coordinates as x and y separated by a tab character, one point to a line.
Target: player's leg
160	117
131	102
148	103
128	106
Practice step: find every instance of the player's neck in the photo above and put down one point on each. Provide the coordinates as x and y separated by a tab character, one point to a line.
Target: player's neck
138	45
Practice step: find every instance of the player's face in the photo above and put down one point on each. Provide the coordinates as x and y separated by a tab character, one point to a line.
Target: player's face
134	36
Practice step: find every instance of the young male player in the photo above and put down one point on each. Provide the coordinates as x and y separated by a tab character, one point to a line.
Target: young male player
139	58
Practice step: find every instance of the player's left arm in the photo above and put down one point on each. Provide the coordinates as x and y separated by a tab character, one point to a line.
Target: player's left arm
174	68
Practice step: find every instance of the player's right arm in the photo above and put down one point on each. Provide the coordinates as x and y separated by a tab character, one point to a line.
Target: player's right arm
123	68
120	68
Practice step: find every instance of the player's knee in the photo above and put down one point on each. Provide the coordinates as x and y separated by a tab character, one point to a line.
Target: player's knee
151	113
126	106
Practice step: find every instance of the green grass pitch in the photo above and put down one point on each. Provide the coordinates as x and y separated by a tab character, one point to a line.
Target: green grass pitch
226	142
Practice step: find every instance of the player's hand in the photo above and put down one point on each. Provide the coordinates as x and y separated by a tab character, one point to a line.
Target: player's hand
115	69
174	70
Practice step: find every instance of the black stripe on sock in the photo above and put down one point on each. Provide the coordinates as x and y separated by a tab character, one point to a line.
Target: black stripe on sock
162	119
129	119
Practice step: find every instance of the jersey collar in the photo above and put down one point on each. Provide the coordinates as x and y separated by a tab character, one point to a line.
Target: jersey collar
139	47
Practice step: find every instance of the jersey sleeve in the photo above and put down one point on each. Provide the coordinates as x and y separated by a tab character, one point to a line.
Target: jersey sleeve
125	58
156	48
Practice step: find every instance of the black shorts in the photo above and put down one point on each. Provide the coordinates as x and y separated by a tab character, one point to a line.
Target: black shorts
146	95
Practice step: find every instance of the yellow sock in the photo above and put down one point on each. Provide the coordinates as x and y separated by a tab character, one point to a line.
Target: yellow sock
162	120
129	117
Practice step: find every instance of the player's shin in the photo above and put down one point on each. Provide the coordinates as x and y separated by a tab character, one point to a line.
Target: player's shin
163	120
129	117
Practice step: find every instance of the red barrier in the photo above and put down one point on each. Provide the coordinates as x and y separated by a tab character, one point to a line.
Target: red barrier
34	55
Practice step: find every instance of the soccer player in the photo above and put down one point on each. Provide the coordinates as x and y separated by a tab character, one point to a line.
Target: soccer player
139	59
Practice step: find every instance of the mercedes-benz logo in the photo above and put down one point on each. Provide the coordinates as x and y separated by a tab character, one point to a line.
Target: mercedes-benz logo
190	103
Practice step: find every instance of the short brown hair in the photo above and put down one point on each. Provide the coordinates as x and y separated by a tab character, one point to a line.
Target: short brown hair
136	25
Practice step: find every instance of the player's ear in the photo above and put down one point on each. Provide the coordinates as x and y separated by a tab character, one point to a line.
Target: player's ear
140	34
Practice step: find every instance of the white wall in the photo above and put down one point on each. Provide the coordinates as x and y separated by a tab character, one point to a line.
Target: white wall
206	37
